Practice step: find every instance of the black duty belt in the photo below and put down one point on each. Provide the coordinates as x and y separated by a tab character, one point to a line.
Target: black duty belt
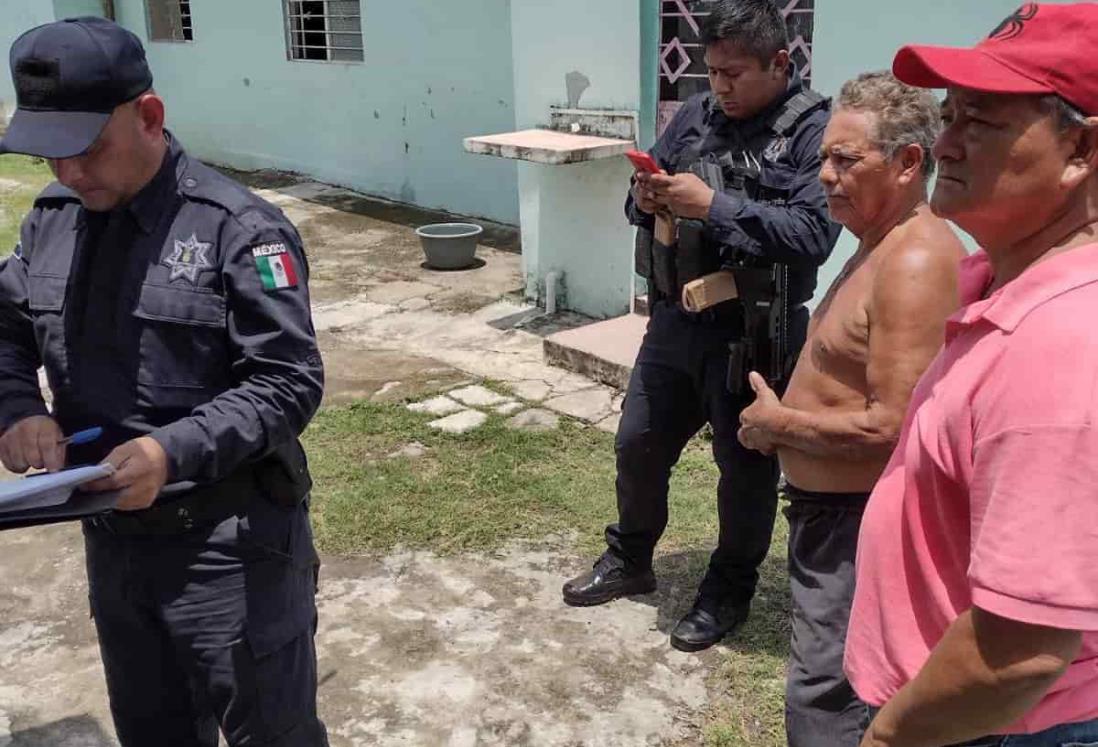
184	507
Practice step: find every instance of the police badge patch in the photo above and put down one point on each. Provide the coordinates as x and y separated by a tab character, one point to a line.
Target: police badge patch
188	259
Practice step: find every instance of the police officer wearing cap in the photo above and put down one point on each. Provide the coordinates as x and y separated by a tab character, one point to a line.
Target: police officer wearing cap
760	129
169	306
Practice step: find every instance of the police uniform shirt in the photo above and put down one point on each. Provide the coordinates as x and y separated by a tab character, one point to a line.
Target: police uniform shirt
183	316
789	221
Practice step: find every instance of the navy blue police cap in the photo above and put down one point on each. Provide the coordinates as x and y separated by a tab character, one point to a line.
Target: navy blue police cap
69	77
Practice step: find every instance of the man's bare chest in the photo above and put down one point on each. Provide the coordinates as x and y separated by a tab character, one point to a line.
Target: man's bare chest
838	337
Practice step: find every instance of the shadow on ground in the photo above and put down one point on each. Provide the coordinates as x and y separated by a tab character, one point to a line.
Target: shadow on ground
680	573
538	322
75	731
496	235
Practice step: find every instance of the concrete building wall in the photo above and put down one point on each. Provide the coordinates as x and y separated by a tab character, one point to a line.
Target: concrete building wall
572	215
77	8
436	72
854	36
17	16
392	126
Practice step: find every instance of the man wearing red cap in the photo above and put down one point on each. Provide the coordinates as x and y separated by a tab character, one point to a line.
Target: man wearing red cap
975	617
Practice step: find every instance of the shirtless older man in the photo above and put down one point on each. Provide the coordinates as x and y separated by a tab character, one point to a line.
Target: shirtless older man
871	338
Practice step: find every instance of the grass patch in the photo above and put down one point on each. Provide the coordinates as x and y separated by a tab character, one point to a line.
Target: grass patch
483	489
479	490
15	202
750	708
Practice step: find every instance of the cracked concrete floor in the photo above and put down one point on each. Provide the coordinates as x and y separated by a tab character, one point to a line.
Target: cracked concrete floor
372	296
414	649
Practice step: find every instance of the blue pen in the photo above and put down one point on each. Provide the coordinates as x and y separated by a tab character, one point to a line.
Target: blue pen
82	437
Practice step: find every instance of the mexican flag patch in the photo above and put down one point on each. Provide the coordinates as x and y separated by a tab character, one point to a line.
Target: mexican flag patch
275	266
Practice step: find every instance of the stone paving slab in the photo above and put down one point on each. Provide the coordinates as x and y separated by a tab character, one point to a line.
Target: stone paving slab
479	396
535	420
460	422
437	406
470	344
610	425
591	405
604	351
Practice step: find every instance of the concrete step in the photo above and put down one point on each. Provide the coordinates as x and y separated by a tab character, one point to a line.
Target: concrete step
603	351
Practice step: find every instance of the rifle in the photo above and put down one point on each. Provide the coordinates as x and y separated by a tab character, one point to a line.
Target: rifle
764	292
763	289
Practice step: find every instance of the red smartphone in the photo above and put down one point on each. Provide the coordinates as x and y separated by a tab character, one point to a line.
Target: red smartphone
643	162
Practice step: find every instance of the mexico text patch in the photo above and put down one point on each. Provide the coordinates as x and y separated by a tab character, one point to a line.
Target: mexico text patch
275	266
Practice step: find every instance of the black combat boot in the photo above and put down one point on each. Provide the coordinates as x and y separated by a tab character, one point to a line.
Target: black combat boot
610	578
707	622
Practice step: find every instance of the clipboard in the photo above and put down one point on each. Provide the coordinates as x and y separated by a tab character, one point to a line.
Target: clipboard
51	498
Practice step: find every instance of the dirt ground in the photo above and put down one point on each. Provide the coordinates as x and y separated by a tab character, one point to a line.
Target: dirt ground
414	650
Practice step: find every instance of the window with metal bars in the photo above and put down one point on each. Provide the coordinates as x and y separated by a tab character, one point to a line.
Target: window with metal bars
324	30
169	20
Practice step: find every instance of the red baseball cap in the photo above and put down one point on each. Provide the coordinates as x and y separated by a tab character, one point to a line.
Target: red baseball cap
1039	49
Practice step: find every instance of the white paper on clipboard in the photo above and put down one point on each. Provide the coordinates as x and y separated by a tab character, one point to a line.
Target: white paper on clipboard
47	489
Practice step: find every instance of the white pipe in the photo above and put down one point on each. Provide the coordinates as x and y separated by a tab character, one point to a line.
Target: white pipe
551	279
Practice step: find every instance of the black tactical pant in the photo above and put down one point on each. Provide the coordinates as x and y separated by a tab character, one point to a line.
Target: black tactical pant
821	709
210	628
679	383
1078	734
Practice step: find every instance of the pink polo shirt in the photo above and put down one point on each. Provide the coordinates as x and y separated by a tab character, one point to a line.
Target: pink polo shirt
991	497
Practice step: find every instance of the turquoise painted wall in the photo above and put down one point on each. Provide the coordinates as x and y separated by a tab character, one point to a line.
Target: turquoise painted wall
17	16
551	39
572	218
76	8
435	73
853	36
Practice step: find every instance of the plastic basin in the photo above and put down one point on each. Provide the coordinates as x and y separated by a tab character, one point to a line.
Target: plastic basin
449	246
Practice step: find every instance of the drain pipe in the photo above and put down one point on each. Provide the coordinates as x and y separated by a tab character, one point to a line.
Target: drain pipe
551	280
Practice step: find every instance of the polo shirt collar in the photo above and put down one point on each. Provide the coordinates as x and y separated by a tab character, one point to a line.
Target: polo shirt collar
1038	284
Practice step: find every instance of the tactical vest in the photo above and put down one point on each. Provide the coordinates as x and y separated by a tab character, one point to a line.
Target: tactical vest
734	170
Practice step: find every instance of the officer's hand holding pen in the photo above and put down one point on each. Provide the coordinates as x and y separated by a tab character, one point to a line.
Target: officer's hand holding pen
33	443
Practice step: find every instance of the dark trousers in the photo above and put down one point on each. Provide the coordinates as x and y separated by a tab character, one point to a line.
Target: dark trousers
678	385
1081	734
821	709
211	628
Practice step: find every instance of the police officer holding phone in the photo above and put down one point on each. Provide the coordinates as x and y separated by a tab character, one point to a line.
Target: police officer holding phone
170	307
740	168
